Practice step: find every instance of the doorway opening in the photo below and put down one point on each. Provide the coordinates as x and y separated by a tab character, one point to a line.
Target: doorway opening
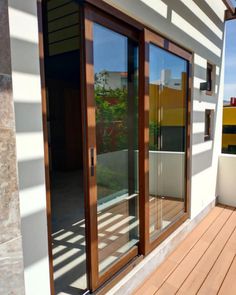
64	124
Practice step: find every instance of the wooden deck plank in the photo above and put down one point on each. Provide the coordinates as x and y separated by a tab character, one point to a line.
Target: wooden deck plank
219	271
176	279
196	278
167	267
229	284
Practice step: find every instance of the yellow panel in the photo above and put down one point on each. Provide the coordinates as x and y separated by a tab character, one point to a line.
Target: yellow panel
62	11
228	139
173	117
64	46
172	104
66	21
229	116
171	98
154	100
64	34
55	3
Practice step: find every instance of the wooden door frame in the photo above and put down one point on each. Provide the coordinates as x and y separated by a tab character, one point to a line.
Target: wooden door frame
41	24
149	37
91	16
42	39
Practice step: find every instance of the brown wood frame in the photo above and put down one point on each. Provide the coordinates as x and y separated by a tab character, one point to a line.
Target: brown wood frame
210	68
150	37
91	15
229	5
208	120
230	12
229	15
40	6
108	16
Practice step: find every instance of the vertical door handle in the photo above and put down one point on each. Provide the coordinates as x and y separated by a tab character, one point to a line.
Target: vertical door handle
92	161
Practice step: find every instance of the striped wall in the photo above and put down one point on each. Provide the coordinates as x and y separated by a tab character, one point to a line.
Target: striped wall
23	25
199	27
11	256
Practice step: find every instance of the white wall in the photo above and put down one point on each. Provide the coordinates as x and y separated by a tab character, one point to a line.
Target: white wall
166	174
227	180
199	27
29	141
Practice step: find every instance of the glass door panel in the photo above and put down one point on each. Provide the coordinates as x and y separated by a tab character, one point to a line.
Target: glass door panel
116	110
167	138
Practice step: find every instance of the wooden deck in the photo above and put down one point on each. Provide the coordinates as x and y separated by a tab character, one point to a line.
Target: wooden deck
204	263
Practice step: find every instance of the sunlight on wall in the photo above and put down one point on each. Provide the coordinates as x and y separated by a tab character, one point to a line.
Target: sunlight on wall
204	17
29	143
189	29
159	6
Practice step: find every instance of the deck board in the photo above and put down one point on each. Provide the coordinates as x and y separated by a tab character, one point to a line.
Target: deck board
196	278
229	284
220	269
204	263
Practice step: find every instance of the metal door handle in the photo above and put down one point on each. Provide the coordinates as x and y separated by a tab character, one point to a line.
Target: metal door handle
92	160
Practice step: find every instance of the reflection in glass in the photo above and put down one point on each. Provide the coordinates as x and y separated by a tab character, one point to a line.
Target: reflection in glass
167	132
115	69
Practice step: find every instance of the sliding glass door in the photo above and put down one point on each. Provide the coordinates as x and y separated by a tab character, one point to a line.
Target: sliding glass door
112	146
167	138
136	142
116	101
135	114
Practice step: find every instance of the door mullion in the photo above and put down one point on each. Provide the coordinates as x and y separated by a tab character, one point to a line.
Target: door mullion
91	188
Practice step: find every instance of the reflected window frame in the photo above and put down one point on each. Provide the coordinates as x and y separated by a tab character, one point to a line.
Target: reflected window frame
150	37
209	117
210	78
165	69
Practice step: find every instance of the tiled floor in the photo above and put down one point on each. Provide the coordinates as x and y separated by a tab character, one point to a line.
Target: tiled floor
204	263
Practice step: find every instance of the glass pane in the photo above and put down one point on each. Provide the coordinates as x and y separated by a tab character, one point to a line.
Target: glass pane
167	126
115	68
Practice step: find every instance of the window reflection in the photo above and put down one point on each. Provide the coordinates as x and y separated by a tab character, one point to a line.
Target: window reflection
116	67
167	133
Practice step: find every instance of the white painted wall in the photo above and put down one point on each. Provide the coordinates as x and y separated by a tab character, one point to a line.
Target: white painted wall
199	27
227	180
29	141
167	174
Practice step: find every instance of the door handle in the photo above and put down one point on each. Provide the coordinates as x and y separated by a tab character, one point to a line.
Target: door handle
92	161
